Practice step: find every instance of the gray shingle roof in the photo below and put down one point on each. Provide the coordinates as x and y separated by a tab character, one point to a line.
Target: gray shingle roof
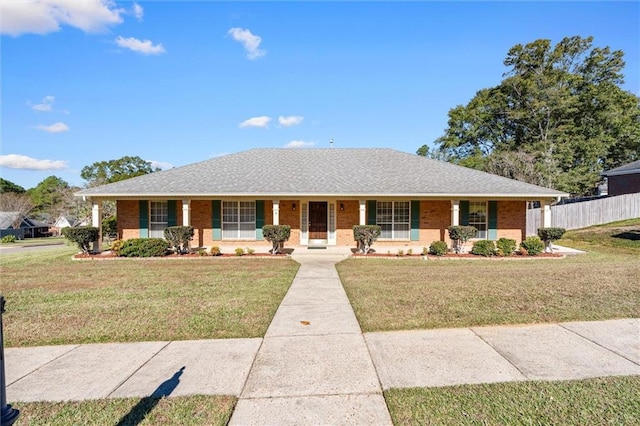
633	167
320	172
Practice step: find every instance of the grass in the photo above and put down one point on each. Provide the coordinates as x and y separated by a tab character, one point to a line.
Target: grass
418	294
602	401
53	300
189	410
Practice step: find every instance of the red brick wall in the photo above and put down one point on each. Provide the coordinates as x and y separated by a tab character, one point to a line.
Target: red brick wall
623	184
512	220
128	214
287	217
345	221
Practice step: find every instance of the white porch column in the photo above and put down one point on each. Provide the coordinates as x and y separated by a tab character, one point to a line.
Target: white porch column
96	222
455	212
186	212
363	212
545	214
276	212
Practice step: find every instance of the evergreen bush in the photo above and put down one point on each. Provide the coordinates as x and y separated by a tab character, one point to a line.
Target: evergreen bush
533	245
506	246
83	236
483	248
549	235
438	248
144	247
460	235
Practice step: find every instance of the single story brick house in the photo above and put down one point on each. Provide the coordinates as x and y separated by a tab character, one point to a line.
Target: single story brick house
321	194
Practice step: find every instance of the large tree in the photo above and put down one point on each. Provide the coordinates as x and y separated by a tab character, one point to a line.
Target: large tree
103	172
8	186
558	118
51	198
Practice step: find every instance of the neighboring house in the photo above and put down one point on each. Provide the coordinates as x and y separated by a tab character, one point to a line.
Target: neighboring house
29	228
64	222
624	179
321	194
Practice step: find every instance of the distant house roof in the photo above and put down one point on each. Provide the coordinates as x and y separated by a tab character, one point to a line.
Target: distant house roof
7	219
280	172
633	167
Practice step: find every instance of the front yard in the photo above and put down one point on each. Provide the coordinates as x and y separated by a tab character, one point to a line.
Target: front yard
54	300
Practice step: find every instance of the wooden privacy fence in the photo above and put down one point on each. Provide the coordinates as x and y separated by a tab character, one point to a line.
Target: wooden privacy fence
588	213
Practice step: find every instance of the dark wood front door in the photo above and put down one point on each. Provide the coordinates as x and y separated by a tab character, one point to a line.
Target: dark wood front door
317	220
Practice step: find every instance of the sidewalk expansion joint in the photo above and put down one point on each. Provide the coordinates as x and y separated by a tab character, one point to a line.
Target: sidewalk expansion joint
504	356
599	345
45	364
310	395
137	369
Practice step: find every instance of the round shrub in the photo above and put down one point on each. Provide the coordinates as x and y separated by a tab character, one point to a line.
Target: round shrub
116	246
506	246
438	248
533	245
144	247
483	248
8	239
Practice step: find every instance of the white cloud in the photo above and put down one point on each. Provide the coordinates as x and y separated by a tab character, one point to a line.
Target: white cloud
299	144
289	121
138	12
15	161
45	105
262	122
160	164
250	42
45	16
54	128
145	47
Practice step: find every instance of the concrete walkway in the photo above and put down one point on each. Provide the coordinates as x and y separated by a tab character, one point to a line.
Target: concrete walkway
314	366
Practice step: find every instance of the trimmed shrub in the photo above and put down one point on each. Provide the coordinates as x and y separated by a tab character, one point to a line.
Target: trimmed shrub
506	246
484	248
239	251
250	251
276	235
8	239
144	247
83	236
549	235
365	236
533	245
460	235
215	251
179	237
438	248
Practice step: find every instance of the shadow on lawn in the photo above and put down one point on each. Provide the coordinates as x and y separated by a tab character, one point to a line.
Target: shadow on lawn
137	414
633	235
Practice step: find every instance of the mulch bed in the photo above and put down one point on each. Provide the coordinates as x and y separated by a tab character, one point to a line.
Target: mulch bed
461	256
106	255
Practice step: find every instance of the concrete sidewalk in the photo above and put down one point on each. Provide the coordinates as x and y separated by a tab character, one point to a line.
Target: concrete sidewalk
314	366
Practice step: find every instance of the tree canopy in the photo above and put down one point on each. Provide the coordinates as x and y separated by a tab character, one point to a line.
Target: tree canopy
558	118
103	172
8	186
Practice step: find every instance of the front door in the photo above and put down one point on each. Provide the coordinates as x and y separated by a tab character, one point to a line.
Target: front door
317	220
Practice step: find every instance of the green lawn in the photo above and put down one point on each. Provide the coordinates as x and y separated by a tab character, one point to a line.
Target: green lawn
188	410
52	299
388	294
602	401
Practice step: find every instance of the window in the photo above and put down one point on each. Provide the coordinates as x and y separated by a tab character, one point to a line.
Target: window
478	218
238	220
158	218
393	217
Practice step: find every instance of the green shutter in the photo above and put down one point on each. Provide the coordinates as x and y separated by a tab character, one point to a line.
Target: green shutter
172	219
464	213
415	220
259	219
144	218
216	219
492	227
371	212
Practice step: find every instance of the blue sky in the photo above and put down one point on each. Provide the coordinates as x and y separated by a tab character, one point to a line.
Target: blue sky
179	82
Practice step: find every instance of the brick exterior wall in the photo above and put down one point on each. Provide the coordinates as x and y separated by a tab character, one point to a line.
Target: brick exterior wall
512	220
345	220
623	184
435	218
